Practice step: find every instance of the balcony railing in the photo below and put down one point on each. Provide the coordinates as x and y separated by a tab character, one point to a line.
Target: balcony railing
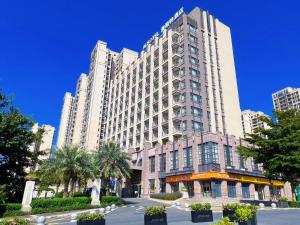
209	167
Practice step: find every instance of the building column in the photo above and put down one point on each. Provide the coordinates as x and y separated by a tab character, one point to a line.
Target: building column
168	188
267	192
157	186
252	191
197	189
224	190
181	186
288	191
239	193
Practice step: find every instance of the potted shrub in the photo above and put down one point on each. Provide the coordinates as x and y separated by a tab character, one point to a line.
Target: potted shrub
201	213
224	221
229	211
283	202
91	219
155	215
246	215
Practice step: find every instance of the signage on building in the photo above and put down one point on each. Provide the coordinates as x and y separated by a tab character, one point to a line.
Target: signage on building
165	26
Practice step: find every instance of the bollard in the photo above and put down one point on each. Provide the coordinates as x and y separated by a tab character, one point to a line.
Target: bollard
107	209
261	205
93	211
113	207
273	205
101	210
73	218
41	220
248	204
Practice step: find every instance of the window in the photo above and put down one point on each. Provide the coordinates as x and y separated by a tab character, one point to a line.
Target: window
195	85
242	162
228	155
208	153
174	160
245	191
188	157
192	39
192	28
194	73
194	61
197	126
152	185
162	162
193	50
152	164
231	189
196	111
217	189
183	126
195	98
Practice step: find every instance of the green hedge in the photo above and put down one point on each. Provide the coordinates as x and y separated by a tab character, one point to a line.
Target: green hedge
59	202
79	194
294	204
167	196
107	200
9	207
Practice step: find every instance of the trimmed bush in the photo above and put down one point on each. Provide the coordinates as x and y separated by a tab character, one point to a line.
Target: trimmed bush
283	199
59	194
108	199
10	208
224	221
155	210
167	196
294	204
199	206
15	221
59	202
232	206
90	216
79	194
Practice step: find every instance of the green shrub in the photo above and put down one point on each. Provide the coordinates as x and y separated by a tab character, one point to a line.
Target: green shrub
108	199
155	210
294	204
79	194
59	202
243	213
283	199
62	208
14	221
59	194
90	216
224	221
199	206
10	209
167	196
232	206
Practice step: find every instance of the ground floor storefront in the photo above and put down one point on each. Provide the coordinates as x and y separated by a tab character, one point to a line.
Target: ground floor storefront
219	185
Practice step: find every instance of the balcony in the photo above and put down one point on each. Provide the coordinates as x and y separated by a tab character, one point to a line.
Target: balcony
177	78
177	132
177	104
174	172
164	122
209	167
177	117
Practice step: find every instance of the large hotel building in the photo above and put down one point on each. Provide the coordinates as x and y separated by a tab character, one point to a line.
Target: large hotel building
175	108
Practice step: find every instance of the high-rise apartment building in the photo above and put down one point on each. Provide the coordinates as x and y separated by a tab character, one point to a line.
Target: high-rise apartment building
287	98
46	141
175	108
251	121
183	82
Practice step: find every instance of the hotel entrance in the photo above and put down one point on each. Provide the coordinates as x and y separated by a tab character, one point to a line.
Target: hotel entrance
259	192
189	185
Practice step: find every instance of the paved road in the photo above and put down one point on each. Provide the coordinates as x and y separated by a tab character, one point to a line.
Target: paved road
133	214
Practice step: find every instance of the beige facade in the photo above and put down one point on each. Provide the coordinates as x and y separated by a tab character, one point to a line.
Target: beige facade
183	82
47	140
251	121
287	98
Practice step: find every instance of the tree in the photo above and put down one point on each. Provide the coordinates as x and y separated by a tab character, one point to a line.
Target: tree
277	148
112	162
15	138
72	165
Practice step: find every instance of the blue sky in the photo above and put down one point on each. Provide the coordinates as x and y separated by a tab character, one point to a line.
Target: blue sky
45	45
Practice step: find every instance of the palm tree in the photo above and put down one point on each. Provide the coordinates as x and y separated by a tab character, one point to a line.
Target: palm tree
113	162
74	164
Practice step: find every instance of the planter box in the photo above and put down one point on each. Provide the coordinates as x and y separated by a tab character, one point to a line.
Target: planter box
159	219
229	214
252	221
202	216
283	204
91	222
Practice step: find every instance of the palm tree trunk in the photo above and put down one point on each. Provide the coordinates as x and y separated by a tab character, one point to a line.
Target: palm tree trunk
66	187
72	185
